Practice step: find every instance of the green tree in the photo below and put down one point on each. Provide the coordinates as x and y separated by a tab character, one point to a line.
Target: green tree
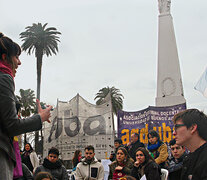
40	40
27	104
116	98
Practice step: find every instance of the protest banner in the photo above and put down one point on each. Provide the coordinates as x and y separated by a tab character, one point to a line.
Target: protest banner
157	118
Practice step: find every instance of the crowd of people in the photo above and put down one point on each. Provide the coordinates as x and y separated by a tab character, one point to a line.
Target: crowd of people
88	167
185	160
140	163
149	159
133	161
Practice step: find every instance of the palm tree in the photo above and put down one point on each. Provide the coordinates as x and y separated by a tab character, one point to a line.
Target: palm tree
27	103
40	40
116	98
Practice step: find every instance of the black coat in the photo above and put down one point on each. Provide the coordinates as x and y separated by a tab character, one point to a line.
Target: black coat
10	125
152	171
174	167
194	165
57	170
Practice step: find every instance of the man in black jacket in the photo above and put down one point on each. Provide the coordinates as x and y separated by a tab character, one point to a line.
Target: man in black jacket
53	165
190	131
133	145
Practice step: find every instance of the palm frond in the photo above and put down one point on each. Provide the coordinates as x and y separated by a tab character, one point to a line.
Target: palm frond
116	98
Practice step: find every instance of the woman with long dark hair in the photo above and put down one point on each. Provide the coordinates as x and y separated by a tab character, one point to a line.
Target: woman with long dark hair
145	165
29	157
76	158
157	148
121	166
10	124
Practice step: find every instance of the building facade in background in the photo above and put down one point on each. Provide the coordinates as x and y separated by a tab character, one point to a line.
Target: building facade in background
76	124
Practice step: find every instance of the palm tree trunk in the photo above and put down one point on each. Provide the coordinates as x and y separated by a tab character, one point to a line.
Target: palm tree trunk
39	71
25	138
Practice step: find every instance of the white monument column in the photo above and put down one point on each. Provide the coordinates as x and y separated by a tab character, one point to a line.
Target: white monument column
169	82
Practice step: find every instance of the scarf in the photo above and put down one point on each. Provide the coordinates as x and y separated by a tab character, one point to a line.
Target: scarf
153	146
50	165
27	153
6	68
117	174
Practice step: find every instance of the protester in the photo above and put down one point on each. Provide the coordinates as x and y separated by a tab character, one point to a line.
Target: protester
190	131
157	148
29	157
121	166
53	165
145	165
76	158
117	144
43	176
89	167
10	124
133	145
175	163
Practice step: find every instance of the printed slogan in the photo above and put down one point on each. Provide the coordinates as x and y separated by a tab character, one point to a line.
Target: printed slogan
157	118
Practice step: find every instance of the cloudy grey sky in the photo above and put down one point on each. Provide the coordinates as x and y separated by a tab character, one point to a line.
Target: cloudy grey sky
108	43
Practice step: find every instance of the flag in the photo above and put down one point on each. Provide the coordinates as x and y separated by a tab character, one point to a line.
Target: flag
202	84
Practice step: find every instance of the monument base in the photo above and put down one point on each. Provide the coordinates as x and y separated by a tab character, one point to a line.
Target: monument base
169	101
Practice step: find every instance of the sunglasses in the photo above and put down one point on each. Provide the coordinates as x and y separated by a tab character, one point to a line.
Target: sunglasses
178	125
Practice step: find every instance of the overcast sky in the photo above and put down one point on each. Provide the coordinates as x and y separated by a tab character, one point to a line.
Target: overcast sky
108	43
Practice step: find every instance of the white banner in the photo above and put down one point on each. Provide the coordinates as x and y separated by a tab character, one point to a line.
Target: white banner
76	124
